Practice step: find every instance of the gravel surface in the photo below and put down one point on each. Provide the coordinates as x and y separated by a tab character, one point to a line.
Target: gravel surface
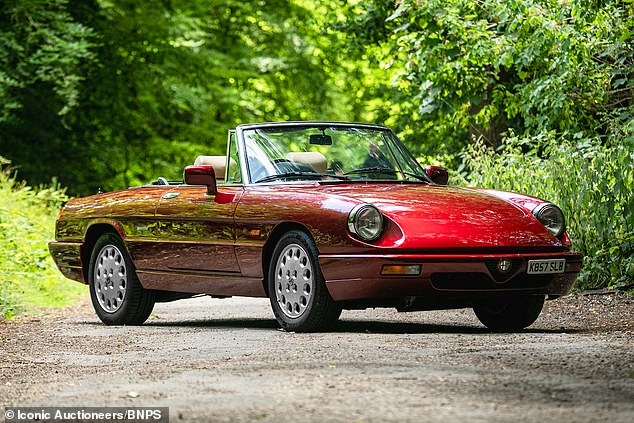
226	360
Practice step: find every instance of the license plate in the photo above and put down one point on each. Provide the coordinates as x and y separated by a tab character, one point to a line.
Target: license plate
542	267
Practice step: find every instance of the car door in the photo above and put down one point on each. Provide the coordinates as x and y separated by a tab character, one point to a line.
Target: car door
195	231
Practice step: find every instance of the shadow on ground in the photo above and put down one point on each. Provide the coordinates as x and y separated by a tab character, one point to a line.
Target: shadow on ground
343	326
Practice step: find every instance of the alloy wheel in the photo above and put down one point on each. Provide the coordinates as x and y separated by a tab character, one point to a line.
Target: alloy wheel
110	278
294	281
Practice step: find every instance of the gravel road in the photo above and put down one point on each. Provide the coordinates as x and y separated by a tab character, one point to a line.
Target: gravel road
225	360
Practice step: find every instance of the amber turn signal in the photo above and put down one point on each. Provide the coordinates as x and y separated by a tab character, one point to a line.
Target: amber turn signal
402	269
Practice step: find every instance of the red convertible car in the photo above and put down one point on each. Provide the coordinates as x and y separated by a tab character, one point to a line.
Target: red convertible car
319	217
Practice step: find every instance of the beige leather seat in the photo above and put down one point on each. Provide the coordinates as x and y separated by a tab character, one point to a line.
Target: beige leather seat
312	159
219	164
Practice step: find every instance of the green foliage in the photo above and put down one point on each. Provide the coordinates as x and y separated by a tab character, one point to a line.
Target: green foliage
475	69
592	183
164	83
41	53
28	276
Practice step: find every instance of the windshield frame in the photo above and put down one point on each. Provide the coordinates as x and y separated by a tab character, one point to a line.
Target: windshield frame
403	151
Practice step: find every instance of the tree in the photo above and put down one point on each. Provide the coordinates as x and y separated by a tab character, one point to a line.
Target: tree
42	51
164	82
474	69
43	54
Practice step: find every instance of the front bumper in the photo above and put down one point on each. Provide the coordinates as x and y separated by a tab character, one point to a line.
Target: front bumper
358	277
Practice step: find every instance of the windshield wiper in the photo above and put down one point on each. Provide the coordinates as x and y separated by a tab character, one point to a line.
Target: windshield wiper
386	170
299	175
413	175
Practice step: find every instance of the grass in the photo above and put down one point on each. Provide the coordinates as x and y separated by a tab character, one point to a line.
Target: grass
29	278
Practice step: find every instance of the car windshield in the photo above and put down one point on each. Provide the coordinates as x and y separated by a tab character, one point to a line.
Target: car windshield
336	152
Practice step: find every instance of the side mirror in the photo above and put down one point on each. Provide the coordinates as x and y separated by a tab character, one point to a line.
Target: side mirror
438	175
201	175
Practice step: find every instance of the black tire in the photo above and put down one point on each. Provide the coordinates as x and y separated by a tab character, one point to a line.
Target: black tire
297	290
116	293
510	313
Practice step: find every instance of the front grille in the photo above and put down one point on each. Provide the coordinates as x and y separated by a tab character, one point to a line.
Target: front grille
492	265
470	281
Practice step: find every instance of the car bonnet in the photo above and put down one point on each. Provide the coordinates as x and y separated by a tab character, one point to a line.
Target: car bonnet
444	218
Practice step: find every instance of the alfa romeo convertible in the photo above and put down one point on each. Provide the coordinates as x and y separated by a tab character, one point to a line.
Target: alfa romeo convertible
318	217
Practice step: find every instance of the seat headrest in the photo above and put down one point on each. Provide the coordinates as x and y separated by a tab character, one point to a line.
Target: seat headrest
314	159
219	163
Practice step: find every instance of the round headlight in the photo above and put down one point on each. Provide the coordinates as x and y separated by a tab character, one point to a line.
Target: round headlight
366	222
551	217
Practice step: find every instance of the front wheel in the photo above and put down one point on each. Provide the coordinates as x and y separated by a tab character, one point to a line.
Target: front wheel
115	290
297	290
510	313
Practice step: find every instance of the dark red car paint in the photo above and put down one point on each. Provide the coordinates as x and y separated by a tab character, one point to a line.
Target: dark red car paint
182	239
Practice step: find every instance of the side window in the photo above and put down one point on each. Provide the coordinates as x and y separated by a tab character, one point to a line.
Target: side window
234	175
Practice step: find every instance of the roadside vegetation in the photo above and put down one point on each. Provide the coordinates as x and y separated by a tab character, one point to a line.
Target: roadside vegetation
28	276
535	96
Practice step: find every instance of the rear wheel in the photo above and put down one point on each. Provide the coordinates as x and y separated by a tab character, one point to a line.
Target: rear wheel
115	290
297	290
510	313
